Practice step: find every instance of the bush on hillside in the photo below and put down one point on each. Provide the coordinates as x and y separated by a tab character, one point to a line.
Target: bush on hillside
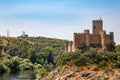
4	68
26	65
42	72
92	56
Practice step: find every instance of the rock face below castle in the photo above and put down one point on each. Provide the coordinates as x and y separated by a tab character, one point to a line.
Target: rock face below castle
97	39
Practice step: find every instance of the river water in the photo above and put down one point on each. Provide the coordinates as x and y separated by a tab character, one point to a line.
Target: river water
23	75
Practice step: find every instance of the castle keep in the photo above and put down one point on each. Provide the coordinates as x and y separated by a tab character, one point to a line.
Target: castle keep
97	39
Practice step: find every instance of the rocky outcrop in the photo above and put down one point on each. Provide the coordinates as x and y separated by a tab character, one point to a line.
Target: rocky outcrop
118	76
84	73
71	74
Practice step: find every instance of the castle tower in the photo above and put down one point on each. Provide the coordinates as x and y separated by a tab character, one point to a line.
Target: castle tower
103	39
97	26
75	41
70	46
112	37
87	34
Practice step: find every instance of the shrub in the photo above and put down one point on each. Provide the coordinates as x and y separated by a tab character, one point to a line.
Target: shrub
117	64
3	68
7	62
37	66
81	61
15	64
26	65
12	63
117	49
42	72
102	64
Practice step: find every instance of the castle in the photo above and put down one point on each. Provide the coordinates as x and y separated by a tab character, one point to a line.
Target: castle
97	39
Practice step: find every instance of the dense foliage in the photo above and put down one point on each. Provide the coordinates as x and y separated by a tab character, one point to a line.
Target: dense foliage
13	64
24	53
28	53
103	60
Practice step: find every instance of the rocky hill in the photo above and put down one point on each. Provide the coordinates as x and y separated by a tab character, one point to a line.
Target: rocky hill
86	65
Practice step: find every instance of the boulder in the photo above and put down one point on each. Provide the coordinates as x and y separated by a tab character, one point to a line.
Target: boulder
71	74
52	74
118	76
85	75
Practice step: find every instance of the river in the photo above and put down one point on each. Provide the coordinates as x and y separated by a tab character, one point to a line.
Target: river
23	75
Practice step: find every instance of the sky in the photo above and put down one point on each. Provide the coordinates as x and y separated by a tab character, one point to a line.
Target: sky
58	18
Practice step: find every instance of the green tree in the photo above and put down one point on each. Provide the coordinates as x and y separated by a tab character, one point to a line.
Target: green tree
117	48
31	55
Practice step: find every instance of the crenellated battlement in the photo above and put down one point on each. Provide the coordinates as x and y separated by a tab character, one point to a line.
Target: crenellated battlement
97	39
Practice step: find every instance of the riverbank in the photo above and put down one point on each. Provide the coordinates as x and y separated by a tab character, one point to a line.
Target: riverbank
22	75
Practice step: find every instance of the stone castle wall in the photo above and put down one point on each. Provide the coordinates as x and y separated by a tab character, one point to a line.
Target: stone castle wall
97	39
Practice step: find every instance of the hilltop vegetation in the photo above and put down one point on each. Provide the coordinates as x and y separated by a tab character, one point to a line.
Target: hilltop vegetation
30	52
103	60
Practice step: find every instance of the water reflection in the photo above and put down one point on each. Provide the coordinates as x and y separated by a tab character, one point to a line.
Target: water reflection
23	75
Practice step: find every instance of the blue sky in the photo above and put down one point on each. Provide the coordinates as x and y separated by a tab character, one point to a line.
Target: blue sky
58	18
